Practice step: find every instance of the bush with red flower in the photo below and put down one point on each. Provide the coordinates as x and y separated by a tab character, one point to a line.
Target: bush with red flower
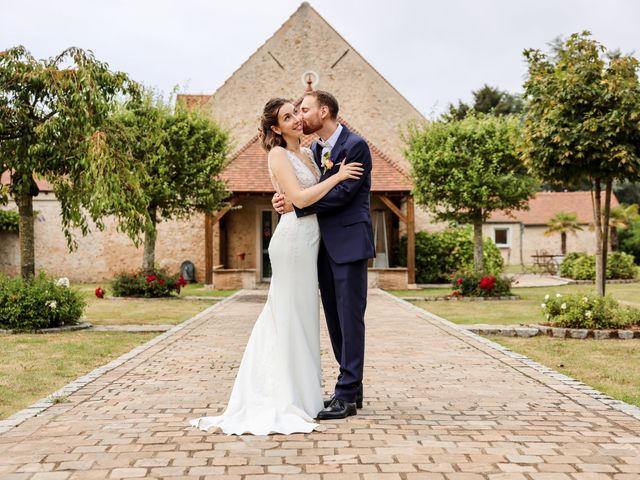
471	284
149	285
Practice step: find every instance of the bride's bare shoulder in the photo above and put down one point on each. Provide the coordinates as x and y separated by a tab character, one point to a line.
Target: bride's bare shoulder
277	153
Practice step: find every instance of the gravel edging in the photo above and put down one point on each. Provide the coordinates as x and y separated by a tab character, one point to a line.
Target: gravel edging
67	328
570	382
46	402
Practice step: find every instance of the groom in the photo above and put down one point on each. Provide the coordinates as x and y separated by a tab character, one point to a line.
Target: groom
345	247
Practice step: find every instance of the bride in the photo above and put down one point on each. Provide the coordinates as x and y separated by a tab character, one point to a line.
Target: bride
278	386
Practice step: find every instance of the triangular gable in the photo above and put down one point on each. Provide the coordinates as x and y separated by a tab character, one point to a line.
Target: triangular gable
307	42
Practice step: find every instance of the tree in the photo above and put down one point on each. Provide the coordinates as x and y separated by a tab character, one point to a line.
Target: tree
486	100
563	223
51	112
181	153
583	121
622	216
465	169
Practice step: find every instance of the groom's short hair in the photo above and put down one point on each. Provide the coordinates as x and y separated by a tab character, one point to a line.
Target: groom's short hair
326	99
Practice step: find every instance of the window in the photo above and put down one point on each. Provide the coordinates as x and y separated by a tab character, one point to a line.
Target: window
502	236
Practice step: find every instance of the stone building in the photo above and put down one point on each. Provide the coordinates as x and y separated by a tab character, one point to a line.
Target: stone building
520	236
305	49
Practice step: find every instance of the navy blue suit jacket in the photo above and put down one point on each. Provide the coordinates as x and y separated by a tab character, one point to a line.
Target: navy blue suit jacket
344	213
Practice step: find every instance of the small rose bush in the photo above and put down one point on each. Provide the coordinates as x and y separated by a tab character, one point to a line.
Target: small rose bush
149	285
39	303
470	284
588	311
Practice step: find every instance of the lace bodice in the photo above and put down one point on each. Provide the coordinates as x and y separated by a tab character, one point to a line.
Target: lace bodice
306	178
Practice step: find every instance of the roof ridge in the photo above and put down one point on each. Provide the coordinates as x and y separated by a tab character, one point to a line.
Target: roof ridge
238	152
377	149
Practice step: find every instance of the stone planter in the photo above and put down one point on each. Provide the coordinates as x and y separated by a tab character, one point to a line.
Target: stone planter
233	279
67	328
582	333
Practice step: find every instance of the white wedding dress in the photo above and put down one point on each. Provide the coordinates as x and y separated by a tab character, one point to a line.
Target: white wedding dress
278	386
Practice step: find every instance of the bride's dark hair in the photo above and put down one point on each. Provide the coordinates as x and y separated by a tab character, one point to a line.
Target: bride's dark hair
269	118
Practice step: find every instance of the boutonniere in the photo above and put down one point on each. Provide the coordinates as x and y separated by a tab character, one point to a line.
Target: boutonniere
326	162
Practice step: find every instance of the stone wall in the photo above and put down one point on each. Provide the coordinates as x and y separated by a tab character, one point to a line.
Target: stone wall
100	255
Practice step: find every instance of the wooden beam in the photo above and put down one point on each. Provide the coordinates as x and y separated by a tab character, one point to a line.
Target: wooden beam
222	213
208	248
411	241
210	220
393	208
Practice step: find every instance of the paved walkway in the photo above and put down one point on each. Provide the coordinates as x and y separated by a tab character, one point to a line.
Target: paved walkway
440	403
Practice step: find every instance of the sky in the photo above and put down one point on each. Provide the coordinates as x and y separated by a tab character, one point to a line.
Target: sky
434	52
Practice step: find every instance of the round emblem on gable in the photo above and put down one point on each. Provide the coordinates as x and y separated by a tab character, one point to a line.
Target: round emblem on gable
310	78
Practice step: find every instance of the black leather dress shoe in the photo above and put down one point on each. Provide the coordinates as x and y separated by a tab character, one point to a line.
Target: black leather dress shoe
359	400
337	409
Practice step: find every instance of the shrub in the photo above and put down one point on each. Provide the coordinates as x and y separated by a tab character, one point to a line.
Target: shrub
620	265
470	284
9	221
38	303
629	240
588	311
581	266
440	254
568	261
156	284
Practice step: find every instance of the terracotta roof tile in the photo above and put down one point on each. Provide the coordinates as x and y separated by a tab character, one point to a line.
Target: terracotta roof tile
43	185
546	204
247	171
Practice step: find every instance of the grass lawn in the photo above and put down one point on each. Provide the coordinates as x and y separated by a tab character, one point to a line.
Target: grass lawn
34	366
129	311
611	366
525	310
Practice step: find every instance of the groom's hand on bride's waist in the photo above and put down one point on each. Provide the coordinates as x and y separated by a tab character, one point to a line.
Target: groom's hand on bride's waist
280	204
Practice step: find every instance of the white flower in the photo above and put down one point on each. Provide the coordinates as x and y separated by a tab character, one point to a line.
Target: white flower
543	305
563	306
585	299
52	304
587	314
558	295
548	316
62	282
546	297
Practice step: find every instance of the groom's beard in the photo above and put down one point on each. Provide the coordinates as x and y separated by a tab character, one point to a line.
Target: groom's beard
309	127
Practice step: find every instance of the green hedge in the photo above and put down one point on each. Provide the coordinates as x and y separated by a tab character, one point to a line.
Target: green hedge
580	266
440	254
39	303
9	221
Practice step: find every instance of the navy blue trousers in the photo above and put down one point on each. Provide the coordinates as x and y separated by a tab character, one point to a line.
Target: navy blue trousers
343	288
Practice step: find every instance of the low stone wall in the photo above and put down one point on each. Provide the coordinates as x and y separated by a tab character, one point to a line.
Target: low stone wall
388	278
233	279
527	331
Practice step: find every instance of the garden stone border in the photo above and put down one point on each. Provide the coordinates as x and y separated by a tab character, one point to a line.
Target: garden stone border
528	331
46	402
67	328
459	298
526	362
583	333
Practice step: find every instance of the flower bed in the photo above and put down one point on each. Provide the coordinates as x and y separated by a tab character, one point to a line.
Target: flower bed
148	285
38	304
470	284
588	311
